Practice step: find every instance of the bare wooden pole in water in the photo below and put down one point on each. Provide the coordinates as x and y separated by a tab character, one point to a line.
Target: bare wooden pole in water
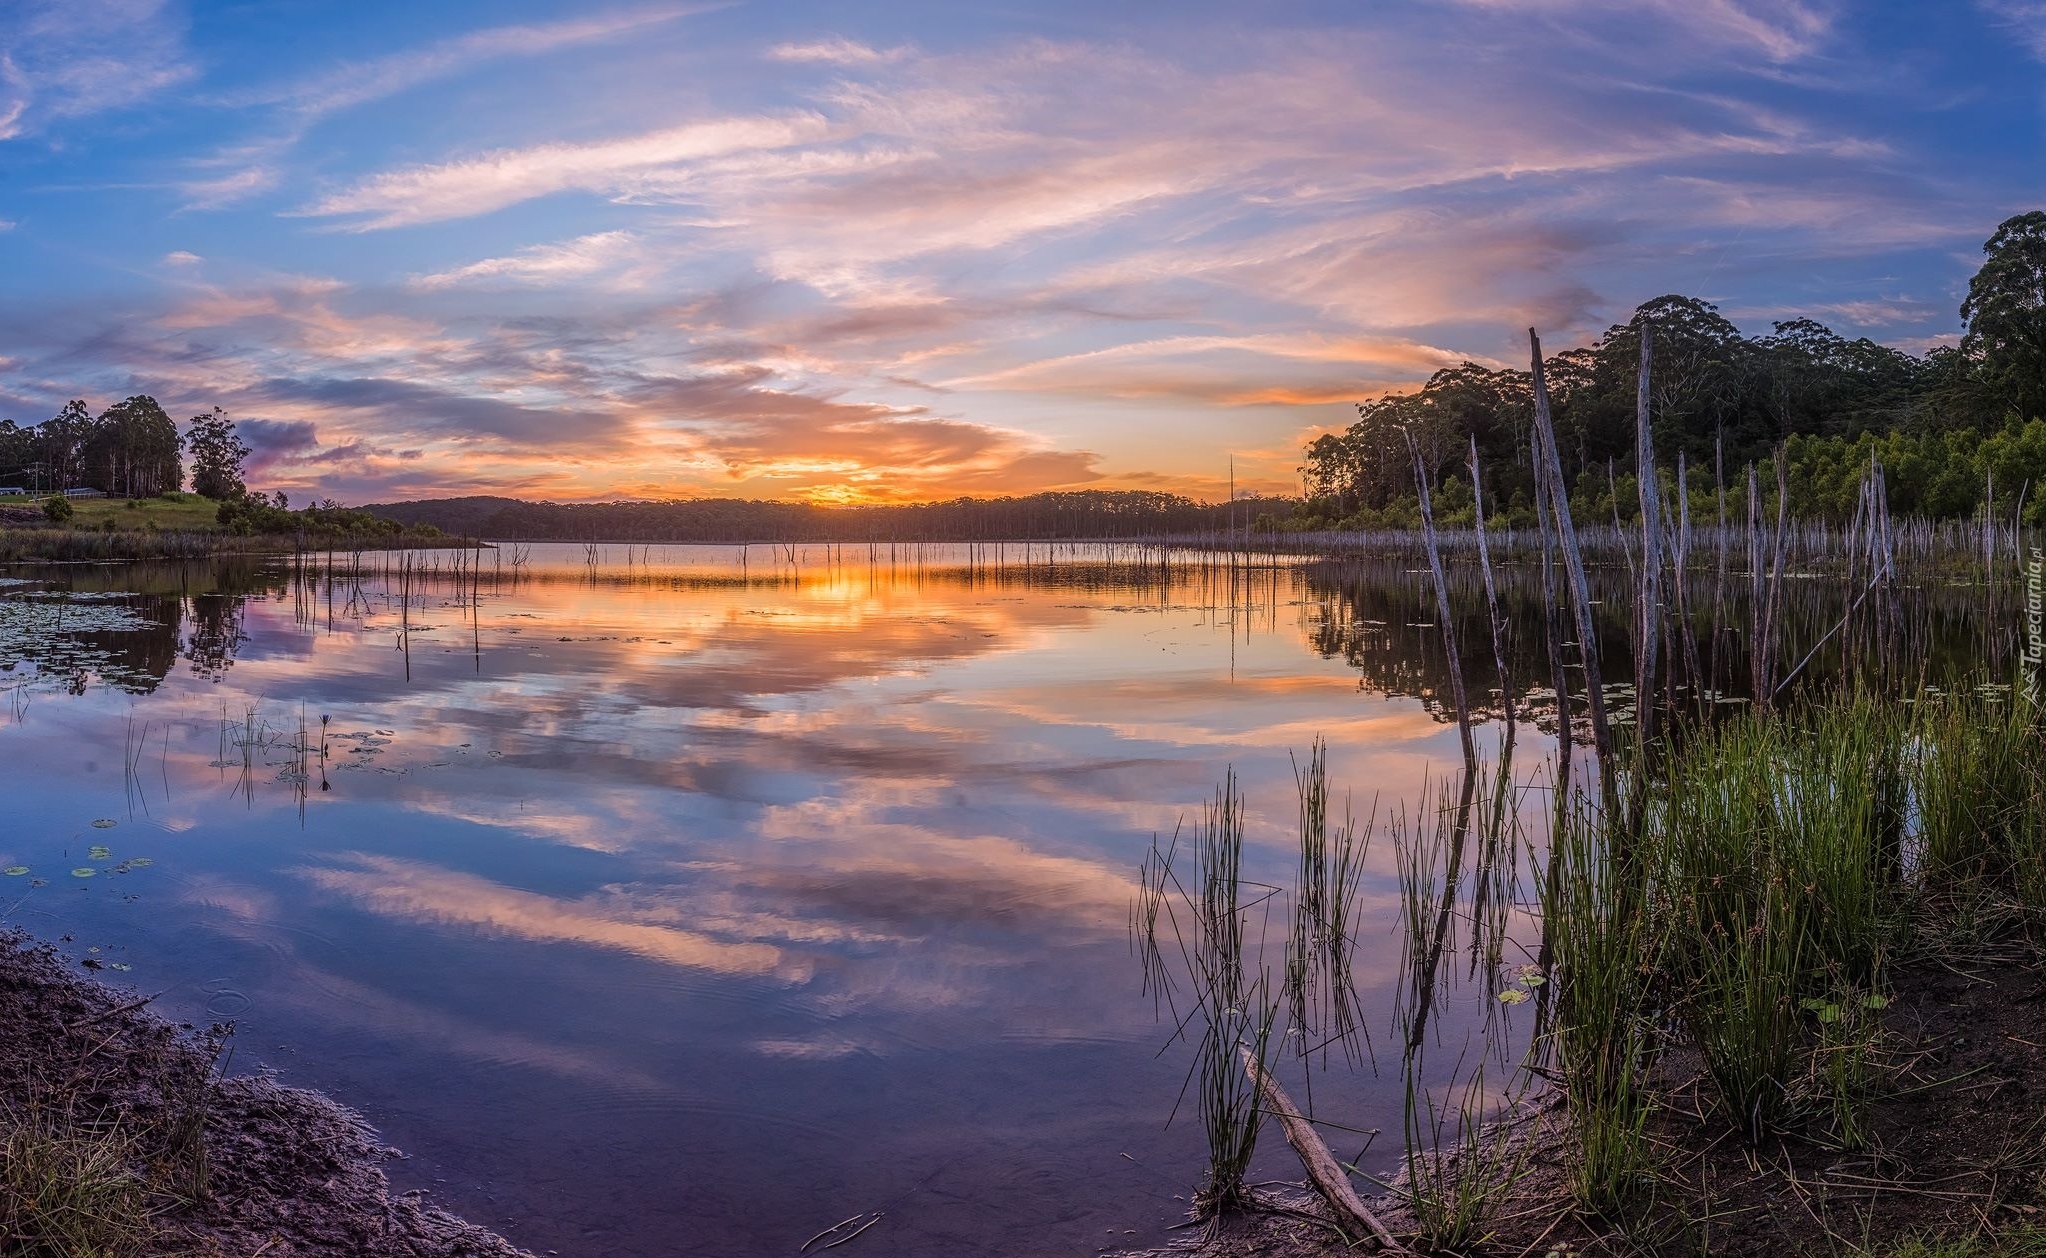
1573	559
1648	597
1456	689
1491	595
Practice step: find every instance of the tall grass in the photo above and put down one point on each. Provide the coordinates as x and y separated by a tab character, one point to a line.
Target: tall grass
1604	956
1770	855
1976	777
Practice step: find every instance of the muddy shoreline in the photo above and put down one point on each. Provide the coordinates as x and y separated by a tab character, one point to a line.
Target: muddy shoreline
181	1157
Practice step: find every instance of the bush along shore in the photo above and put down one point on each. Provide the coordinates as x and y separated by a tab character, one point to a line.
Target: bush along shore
123	1136
1765	977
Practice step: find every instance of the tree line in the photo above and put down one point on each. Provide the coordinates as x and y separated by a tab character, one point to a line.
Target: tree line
131	449
1950	426
1099	513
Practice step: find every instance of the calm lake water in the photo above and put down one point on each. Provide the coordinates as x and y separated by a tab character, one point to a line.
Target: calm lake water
661	904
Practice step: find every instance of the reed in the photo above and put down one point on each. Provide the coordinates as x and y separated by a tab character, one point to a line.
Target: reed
1237	1011
1461	1163
1320	987
1976	779
1603	954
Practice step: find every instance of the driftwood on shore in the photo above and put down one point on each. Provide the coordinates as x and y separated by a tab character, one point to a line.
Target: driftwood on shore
1323	1170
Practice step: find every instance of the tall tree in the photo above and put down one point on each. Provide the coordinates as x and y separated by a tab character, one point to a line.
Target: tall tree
2005	312
63	444
133	450
217	456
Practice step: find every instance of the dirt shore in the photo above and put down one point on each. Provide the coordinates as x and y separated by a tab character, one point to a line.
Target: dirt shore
1953	1149
116	1119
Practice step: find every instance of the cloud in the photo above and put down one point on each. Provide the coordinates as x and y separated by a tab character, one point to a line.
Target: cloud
492	181
420	409
2025	18
540	264
211	192
419	892
71	58
837	51
358	83
1783	30
252	167
1266	369
835	268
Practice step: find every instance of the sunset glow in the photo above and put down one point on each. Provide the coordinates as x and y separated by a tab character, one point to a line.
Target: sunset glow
881	253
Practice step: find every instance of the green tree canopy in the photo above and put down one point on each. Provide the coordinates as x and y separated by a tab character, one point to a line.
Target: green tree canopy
2005	312
217	456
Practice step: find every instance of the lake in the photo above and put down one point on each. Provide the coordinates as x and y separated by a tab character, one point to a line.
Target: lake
685	900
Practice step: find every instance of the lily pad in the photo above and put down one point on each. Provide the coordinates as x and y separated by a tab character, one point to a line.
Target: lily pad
1512	996
14	871
100	853
84	871
105	823
137	862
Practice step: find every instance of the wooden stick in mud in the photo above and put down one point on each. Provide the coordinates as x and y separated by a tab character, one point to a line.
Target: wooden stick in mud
1322	1168
104	1014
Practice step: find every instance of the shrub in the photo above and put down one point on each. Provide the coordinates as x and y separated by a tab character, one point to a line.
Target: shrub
57	508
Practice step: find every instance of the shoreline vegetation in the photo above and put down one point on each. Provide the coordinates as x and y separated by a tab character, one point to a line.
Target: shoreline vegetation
1755	977
124	1136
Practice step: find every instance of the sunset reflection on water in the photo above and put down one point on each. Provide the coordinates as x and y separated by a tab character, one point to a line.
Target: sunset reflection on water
675	905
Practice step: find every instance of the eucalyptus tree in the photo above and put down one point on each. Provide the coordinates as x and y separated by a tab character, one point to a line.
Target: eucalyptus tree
2005	313
218	456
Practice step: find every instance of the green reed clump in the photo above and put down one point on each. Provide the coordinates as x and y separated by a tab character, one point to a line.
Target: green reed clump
1460	1166
1737	943
1976	777
1603	956
1840	820
1773	854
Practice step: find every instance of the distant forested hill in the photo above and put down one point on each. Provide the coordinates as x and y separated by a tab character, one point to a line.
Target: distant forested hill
1088	513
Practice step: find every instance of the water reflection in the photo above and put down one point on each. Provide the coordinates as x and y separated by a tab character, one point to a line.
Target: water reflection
689	900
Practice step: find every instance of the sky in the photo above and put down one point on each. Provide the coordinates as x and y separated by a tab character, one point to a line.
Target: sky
874	252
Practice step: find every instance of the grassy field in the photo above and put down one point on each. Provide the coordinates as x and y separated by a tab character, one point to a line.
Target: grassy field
184	513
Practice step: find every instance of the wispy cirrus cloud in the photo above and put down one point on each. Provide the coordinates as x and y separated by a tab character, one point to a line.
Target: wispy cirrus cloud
2024	18
250	167
494	180
1782	30
71	58
540	264
837	51
357	83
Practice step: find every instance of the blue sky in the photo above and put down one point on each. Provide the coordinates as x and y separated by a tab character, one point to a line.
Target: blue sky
859	251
